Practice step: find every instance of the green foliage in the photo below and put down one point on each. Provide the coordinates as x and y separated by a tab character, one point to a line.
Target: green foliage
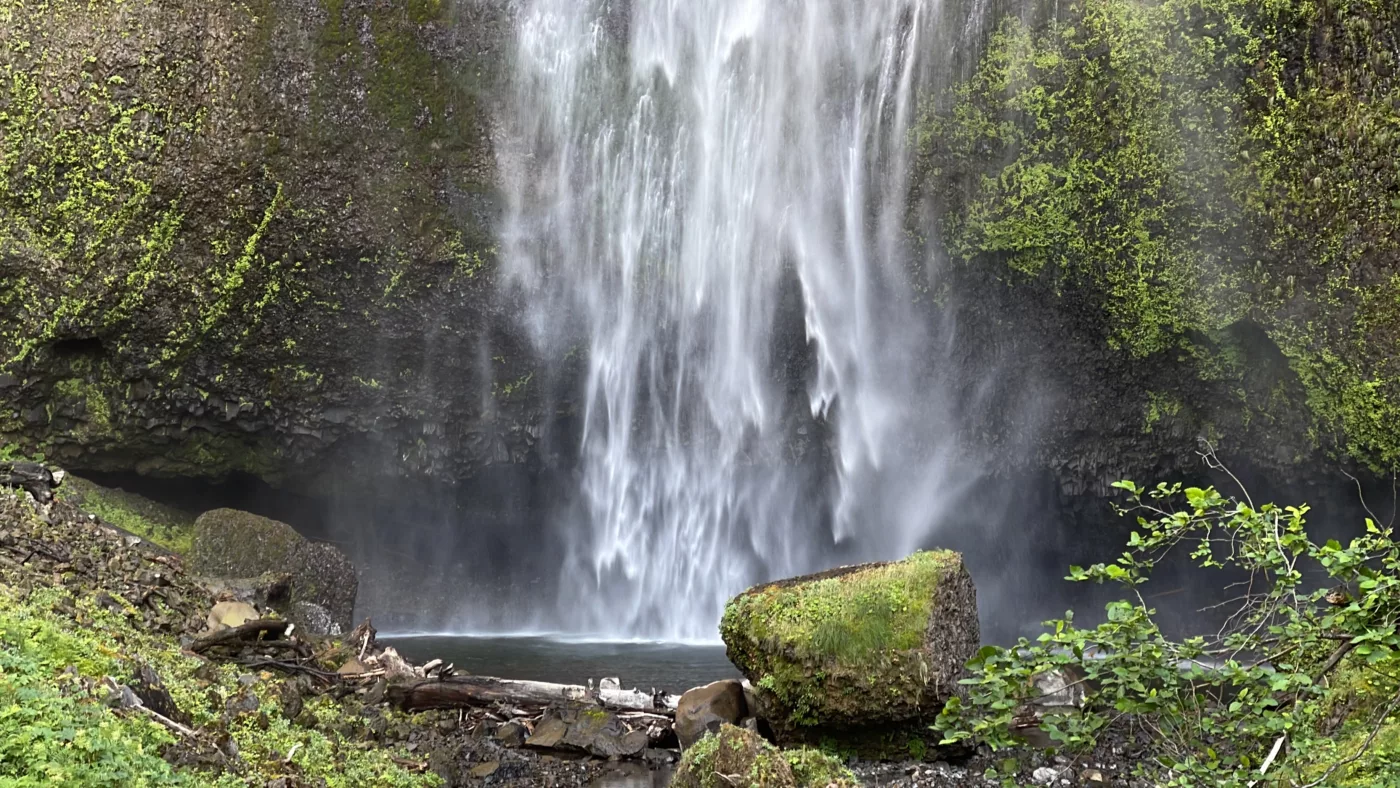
53	731
812	768
1183	165
733	754
1219	703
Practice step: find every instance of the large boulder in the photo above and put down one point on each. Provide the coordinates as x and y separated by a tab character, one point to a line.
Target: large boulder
875	644
232	544
736	756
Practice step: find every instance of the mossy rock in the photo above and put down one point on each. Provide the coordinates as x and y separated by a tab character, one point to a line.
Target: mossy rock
737	756
869	645
232	544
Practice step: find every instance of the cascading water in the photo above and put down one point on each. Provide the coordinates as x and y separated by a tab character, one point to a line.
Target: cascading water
680	164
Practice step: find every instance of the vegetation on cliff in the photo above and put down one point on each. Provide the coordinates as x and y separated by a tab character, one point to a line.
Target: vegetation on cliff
201	204
1211	183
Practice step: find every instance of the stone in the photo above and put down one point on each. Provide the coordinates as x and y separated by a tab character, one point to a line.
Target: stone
483	770
227	615
1062	688
312	619
271	589
704	709
548	733
232	544
1093	777
511	734
246	702
352	667
874	644
1045	776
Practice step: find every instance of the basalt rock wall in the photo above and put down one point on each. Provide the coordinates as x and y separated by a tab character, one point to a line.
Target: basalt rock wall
256	236
261	236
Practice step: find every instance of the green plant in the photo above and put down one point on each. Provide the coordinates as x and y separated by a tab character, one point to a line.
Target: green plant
1248	702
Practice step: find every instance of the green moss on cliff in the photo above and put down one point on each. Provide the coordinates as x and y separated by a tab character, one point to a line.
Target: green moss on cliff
215	191
1188	165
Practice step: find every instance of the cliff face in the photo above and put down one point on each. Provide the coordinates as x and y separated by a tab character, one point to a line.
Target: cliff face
254	236
260	236
1187	212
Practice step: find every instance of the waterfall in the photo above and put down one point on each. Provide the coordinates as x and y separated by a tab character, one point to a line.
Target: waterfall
677	167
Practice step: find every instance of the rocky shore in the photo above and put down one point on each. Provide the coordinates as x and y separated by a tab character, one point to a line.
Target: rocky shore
129	667
229	680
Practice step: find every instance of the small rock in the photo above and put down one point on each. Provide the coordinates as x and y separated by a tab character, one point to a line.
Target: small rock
1093	776
548	733
1044	775
292	703
352	667
248	679
313	619
227	615
511	734
244	703
483	770
704	709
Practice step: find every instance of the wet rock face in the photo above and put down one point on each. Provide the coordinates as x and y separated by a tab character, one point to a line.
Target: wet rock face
297	254
869	645
233	544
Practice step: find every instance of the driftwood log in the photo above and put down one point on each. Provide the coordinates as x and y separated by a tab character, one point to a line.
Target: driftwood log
31	476
251	632
458	692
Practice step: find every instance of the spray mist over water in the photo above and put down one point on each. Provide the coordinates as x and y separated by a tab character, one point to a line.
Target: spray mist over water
680	165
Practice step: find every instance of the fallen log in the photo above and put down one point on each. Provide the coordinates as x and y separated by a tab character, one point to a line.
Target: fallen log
31	476
458	692
248	633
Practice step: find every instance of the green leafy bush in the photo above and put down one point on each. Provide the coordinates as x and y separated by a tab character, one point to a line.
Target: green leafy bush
1258	699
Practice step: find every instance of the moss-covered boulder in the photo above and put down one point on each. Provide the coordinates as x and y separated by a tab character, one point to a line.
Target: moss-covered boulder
737	756
865	645
233	544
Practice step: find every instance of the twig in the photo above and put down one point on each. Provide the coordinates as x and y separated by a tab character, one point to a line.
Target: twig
1269	761
289	667
167	722
1335	659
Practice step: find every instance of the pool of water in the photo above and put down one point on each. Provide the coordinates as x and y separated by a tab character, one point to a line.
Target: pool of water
673	667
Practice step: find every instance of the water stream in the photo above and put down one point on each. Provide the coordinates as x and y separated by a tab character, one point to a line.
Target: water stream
680	169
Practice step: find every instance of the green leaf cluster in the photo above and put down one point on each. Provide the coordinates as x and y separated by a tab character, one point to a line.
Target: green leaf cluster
1219	703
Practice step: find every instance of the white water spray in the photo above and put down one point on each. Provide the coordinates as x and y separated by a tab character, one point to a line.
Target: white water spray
680	163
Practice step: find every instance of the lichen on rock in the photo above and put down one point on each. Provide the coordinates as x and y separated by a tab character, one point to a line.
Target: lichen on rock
866	645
